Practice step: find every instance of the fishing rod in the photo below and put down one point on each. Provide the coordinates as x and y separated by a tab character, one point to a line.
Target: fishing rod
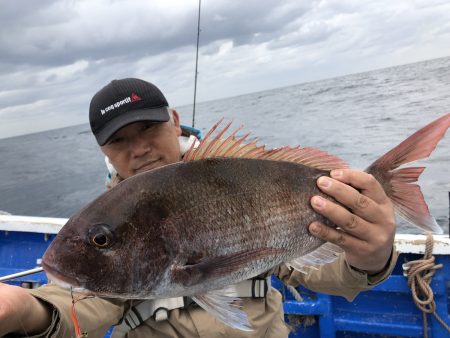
21	274
196	62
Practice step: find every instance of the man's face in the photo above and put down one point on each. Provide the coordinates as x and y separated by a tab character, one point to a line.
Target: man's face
142	146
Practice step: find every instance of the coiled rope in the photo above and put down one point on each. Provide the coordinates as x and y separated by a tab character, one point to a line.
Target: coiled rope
419	273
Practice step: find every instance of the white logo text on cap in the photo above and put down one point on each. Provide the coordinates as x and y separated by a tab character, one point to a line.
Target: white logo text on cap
115	105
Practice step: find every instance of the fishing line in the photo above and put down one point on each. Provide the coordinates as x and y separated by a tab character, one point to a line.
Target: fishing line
73	315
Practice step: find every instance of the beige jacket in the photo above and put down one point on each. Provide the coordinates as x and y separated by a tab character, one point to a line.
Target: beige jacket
266	315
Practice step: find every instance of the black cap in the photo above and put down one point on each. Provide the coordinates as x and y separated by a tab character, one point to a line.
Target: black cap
125	101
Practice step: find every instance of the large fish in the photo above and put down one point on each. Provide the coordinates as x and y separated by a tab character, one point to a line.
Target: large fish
230	211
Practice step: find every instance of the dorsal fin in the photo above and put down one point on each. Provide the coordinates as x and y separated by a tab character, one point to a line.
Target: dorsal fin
220	146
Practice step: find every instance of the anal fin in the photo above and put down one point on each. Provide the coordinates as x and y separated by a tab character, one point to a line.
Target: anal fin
324	254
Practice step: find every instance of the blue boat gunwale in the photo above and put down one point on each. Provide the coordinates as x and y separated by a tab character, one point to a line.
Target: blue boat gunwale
387	310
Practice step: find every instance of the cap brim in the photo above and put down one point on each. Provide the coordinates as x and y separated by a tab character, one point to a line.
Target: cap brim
155	115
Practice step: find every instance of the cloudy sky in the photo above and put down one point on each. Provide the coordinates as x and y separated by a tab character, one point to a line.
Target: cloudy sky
55	54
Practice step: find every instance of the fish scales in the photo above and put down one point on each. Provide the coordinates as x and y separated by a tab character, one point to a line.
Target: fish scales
239	204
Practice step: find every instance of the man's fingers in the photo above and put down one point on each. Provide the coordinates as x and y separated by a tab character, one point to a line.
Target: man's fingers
350	223
335	236
362	181
364	216
360	204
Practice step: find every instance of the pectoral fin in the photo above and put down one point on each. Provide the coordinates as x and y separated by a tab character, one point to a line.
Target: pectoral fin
218	266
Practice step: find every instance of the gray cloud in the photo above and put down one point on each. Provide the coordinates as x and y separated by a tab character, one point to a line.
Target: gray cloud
54	54
62	32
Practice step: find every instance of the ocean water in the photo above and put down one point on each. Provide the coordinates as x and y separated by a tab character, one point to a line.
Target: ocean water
358	117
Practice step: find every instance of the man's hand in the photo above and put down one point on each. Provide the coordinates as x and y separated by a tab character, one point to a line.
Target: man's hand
21	313
367	227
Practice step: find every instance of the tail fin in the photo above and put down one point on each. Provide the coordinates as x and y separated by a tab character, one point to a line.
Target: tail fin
399	184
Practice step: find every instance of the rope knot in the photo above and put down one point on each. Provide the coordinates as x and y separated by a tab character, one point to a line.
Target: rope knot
420	273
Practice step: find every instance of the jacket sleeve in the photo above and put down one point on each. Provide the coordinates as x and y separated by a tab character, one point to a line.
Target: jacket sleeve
95	315
337	278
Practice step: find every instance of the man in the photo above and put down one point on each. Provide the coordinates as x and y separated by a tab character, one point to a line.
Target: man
137	131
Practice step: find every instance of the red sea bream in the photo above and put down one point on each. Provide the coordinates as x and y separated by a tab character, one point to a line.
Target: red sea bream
228	212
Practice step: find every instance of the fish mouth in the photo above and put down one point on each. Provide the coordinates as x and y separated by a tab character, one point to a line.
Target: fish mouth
64	281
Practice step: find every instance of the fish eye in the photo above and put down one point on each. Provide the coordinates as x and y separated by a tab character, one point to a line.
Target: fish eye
100	240
100	236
